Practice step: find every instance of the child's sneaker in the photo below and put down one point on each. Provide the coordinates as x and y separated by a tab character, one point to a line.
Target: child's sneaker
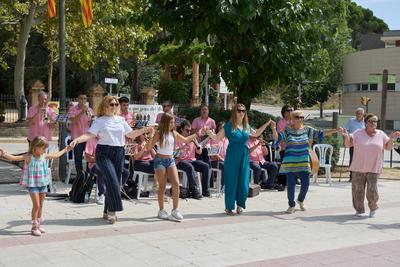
35	230
175	216
163	214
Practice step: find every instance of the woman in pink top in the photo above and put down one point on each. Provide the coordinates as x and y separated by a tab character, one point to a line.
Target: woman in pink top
369	145
142	156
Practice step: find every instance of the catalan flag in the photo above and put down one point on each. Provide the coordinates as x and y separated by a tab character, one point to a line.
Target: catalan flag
87	12
51	8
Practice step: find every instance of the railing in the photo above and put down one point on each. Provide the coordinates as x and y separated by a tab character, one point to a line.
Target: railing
10	108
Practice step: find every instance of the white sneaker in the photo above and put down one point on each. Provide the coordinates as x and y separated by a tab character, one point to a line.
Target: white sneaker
163	214
372	213
175	216
301	204
290	210
358	214
100	199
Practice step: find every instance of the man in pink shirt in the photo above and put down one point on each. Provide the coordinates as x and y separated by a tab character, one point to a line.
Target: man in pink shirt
41	119
257	162
128	116
80	117
188	163
167	108
198	124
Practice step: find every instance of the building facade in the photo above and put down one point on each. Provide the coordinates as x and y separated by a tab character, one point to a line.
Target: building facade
360	78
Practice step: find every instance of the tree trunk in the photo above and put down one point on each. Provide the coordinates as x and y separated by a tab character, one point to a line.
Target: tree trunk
167	72
321	109
180	72
19	71
135	94
195	85
50	75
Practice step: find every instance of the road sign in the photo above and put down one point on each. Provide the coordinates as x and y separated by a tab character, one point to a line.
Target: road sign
111	80
377	78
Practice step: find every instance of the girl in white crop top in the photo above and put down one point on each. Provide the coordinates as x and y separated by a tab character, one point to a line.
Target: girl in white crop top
164	164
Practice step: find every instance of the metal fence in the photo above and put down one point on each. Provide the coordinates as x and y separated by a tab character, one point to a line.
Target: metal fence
10	108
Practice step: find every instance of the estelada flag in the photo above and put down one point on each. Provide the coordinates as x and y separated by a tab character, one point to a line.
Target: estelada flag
51	8
87	12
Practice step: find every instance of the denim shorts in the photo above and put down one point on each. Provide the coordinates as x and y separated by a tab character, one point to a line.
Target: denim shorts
163	164
37	189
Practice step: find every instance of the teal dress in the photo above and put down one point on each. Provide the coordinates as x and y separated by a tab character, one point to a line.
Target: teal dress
236	167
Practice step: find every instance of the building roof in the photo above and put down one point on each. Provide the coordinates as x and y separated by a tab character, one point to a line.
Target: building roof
391	33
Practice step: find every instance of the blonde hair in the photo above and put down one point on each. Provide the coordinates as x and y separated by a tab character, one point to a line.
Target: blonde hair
297	113
38	141
105	104
234	118
163	126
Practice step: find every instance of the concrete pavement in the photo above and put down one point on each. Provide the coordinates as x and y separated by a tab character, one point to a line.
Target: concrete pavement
326	234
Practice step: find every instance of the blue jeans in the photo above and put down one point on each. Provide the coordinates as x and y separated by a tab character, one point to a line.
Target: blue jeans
78	157
110	160
291	185
190	167
163	163
37	189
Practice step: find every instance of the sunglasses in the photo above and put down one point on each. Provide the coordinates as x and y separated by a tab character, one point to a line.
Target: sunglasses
241	111
299	117
372	121
289	110
114	104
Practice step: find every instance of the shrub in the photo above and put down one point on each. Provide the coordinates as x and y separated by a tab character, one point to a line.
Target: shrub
2	108
176	91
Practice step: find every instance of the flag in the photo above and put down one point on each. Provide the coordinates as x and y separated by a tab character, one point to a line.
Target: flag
87	12
51	8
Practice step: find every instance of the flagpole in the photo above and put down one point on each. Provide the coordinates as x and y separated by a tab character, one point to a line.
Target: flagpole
62	124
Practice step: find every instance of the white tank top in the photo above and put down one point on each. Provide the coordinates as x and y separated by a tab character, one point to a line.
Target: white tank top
168	147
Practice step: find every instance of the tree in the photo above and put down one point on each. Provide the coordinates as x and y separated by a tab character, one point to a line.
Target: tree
362	20
255	43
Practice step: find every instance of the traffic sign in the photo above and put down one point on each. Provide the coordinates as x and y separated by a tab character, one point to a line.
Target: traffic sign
111	80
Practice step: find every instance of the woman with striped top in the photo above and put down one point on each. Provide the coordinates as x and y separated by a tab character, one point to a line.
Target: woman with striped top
298	138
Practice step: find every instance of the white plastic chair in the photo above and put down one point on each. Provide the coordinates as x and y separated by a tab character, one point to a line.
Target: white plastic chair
324	152
218	183
185	180
52	148
142	179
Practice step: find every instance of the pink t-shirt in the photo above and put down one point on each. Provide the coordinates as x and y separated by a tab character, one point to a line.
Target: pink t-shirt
90	149
129	117
257	154
80	126
223	144
188	152
40	127
199	123
368	151
136	148
282	123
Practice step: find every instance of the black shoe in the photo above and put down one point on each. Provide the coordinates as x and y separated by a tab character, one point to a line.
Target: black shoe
196	195
279	187
206	194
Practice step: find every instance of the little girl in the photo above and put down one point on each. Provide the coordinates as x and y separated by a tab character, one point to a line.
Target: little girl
35	176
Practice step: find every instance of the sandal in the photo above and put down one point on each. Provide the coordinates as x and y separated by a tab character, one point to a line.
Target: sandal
239	210
229	212
112	218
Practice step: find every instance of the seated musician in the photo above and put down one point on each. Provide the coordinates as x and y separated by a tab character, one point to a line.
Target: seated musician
218	160
90	156
187	162
142	156
258	151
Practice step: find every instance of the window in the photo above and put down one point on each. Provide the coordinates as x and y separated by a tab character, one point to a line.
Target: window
389	124
391	86
373	87
364	87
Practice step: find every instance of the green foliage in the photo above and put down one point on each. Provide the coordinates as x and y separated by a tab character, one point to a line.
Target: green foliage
362	20
2	108
178	92
148	75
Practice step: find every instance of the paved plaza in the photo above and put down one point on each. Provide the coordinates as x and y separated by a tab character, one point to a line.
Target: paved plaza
326	234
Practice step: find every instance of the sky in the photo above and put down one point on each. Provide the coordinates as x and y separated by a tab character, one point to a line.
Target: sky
387	10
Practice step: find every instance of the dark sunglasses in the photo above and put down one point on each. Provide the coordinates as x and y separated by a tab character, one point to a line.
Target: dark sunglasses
289	110
241	111
164	106
114	104
299	117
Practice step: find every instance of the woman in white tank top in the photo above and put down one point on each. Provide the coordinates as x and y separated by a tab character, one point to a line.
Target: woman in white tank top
164	164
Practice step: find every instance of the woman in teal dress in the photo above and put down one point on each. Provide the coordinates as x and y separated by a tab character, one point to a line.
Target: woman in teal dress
237	159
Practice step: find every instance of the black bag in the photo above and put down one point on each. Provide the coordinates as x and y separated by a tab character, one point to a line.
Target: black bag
82	185
254	190
183	192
